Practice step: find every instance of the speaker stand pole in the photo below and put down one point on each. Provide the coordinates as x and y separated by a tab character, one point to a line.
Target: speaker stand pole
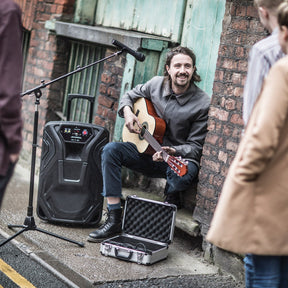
29	222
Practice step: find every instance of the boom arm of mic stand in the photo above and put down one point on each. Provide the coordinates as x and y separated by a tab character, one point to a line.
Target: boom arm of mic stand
78	69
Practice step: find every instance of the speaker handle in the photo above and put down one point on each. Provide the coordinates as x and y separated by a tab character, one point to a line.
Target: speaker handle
90	98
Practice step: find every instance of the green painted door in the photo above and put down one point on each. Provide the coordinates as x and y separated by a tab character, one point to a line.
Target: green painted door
201	32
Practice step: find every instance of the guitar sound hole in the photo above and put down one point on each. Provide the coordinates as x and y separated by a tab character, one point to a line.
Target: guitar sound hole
144	127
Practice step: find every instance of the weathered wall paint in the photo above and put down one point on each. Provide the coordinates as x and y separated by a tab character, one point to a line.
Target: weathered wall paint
85	11
155	17
126	86
201	32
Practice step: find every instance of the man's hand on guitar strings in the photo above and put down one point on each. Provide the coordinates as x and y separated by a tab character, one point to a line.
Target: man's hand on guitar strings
158	156
131	121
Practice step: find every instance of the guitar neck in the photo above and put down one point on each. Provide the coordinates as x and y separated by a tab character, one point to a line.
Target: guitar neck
153	143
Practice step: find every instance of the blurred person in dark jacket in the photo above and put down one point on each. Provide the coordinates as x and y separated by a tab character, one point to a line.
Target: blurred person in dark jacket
10	87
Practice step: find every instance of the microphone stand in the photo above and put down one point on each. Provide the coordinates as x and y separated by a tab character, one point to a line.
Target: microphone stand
29	222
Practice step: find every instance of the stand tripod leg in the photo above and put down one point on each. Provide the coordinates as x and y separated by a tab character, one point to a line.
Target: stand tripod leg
16	226
29	224
15	235
25	228
60	237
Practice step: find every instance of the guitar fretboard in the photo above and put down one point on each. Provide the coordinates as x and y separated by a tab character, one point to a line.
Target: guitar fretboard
153	143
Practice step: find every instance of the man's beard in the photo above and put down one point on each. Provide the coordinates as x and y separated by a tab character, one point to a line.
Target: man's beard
179	84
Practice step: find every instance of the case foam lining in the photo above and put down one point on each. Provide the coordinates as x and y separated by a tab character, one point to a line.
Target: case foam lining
148	219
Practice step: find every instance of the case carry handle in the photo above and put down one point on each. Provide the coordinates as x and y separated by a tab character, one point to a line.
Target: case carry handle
123	257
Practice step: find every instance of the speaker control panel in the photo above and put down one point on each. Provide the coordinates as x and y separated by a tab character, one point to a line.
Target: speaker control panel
74	133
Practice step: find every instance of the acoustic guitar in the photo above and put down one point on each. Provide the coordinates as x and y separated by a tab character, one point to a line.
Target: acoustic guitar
151	136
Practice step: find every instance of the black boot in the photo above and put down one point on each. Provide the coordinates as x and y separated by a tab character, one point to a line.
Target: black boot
174	198
111	227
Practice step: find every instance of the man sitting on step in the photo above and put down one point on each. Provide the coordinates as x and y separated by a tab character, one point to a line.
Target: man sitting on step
184	108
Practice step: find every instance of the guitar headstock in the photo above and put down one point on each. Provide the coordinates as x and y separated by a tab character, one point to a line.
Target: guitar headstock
178	165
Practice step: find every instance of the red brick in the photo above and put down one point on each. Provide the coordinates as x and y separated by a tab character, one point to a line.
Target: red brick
232	146
105	101
113	92
252	11
229	64
99	121
206	151
106	78
212	165
211	125
227	130
238	91
230	104
218	113
222	156
236	78
240	25
241	11
102	111
111	115
240	52
212	139
237	119
218	181
102	88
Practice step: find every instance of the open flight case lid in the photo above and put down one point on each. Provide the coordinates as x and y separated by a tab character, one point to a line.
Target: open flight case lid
149	219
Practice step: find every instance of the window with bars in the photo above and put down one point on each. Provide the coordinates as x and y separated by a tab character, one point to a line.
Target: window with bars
85	82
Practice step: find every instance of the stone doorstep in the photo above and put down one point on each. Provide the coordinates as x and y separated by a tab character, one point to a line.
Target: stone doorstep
184	218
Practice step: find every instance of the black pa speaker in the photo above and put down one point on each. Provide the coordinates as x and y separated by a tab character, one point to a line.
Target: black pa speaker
70	179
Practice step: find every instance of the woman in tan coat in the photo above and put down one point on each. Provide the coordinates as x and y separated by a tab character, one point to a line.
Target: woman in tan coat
252	213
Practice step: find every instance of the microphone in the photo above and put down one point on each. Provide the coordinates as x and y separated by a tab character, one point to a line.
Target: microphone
139	56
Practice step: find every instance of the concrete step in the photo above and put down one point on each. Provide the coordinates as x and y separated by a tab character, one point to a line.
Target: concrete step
184	217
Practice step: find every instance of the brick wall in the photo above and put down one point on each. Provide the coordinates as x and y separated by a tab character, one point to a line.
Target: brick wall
44	62
109	91
241	29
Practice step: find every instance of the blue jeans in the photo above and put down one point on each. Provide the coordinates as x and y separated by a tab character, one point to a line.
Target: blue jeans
266	271
118	154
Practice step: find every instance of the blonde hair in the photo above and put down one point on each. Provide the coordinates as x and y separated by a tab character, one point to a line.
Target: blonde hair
283	14
272	5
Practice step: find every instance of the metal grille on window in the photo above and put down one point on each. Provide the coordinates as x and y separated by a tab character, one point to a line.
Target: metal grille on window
85	82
